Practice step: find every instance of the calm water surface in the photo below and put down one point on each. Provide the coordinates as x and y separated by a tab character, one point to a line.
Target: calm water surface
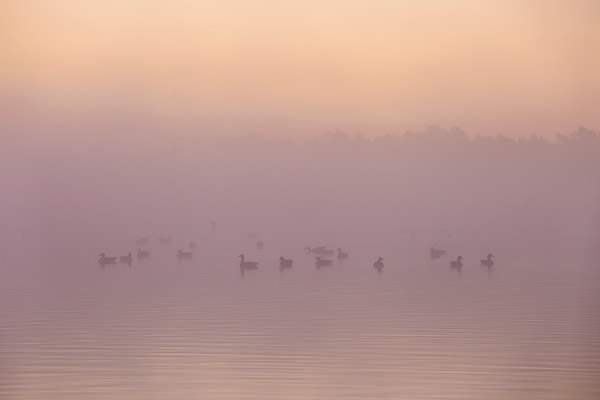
161	329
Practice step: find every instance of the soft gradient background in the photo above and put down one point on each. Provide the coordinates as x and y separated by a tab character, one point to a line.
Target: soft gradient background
379	127
301	67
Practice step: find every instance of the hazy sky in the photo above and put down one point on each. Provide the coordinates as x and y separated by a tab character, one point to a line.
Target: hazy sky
304	67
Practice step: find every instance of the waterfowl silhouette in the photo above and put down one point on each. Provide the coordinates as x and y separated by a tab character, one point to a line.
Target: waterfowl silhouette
193	245
247	264
378	264
457	263
143	253
315	250
213	225
184	255
260	245
488	261
341	256
285	262
106	260
126	259
436	253
322	263
320	250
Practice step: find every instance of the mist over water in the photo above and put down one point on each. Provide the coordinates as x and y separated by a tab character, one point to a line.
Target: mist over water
176	176
108	191
525	328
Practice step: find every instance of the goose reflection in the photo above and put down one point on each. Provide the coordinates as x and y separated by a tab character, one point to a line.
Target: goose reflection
320	262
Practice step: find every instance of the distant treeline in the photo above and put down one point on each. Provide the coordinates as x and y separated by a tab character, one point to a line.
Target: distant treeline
429	181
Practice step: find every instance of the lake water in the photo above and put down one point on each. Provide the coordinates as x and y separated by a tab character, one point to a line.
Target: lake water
526	329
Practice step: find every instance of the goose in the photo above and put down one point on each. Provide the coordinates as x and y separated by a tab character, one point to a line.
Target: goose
285	262
126	259
322	263
457	263
193	245
247	264
260	245
436	253
341	255
487	262
315	250
378	264
184	255
320	250
323	251
106	260
143	253
213	225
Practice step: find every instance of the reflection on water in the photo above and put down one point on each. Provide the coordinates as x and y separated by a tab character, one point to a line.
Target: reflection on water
190	330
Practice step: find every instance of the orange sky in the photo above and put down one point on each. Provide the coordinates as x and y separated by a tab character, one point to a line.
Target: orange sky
282	67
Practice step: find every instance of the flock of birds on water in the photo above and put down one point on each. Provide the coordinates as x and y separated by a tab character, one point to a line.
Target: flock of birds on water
321	252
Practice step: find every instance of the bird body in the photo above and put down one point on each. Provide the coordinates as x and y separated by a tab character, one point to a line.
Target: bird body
193	245
488	261
378	264
320	250
126	259
247	264
106	260
143	253
323	263
184	255
436	253
285	262
260	245
457	263
315	250
341	256
323	251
